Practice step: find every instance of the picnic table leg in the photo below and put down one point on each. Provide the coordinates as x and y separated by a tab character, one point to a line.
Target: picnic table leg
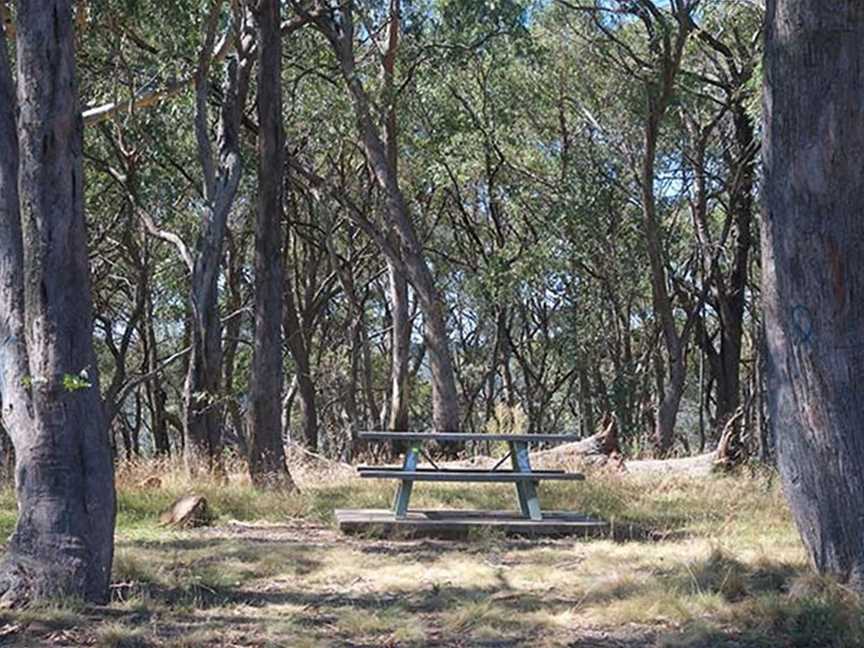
526	490
403	493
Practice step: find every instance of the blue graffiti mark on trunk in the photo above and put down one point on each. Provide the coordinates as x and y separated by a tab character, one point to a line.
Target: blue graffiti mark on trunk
802	324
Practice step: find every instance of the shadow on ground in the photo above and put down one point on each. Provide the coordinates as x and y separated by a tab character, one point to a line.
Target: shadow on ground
305	585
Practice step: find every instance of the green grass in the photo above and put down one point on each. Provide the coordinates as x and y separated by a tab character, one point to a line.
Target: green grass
711	562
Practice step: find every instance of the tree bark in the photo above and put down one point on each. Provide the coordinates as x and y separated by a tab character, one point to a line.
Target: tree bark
266	452
297	344
156	395
63	539
812	238
234	264
734	297
400	352
7	457
202	390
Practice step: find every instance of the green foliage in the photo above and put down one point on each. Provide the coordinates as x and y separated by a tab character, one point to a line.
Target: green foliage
520	127
76	382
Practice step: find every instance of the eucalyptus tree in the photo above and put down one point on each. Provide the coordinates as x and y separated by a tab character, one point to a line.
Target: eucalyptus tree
338	27
398	285
724	69
266	452
646	42
221	178
63	541
811	244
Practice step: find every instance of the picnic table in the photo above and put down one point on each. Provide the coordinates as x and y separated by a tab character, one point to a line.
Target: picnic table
519	472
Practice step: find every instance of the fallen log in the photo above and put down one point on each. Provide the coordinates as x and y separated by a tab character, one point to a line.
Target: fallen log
728	453
188	511
603	443
698	466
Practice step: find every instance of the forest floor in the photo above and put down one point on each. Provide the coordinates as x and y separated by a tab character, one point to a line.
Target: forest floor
709	562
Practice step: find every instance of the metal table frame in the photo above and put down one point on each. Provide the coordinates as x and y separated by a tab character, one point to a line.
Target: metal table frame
526	490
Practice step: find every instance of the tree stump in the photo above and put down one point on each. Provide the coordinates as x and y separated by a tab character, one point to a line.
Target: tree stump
187	512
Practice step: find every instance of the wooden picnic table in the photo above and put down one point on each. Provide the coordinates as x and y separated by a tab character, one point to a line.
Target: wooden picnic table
519	473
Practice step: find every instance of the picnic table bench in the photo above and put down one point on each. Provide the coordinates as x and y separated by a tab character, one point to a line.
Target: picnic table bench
519	473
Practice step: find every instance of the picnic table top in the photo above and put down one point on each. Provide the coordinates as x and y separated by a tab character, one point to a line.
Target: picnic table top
465	436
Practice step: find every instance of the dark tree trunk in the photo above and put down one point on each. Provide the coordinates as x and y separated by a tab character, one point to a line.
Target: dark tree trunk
233	327
731	292
203	415
7	458
742	205
587	422
63	540
266	452
812	238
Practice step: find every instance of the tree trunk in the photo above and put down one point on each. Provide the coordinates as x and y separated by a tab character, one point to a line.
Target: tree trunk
266	452
445	398
203	410
299	348
7	460
401	338
587	423
812	234
202	394
732	293
155	393
670	403
52	408
400	352
234	263
659	99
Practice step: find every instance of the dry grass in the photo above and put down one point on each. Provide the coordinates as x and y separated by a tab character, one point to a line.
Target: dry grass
690	563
